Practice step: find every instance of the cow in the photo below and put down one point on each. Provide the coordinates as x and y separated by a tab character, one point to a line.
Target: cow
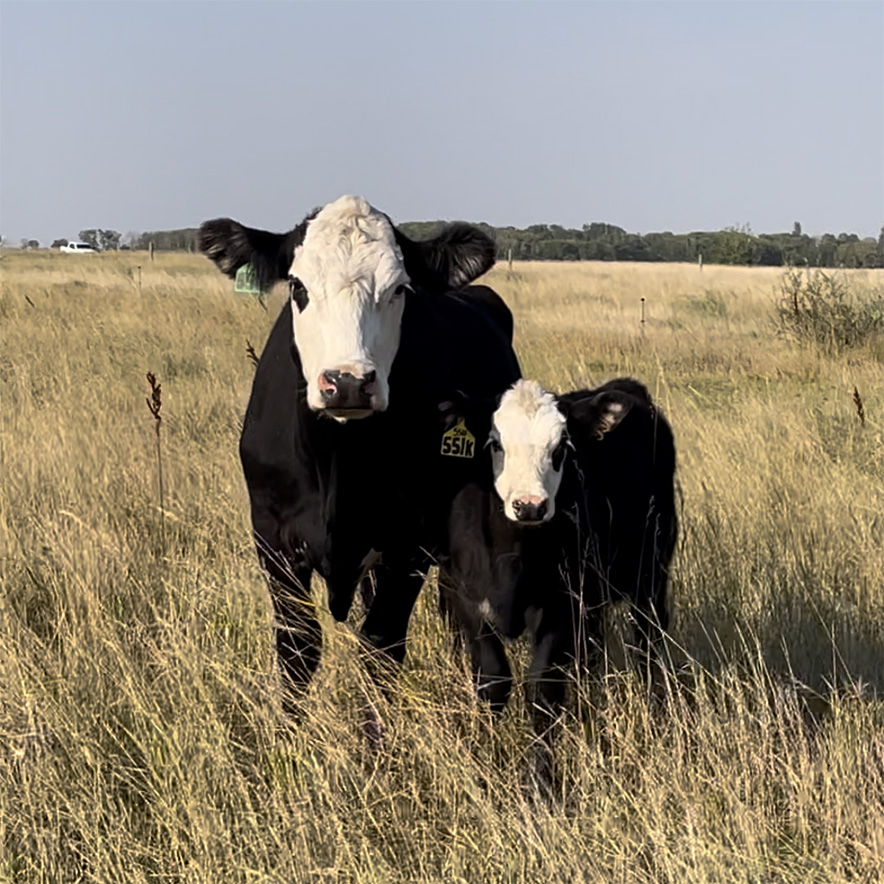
575	510
340	446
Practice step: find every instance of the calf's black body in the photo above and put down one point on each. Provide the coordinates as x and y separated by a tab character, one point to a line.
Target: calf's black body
612	538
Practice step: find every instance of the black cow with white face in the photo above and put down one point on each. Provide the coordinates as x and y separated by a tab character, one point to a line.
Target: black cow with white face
341	446
575	510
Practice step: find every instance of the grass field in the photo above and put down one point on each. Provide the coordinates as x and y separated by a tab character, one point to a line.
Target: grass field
141	733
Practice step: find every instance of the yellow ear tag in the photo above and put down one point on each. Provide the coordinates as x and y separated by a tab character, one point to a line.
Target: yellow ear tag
458	441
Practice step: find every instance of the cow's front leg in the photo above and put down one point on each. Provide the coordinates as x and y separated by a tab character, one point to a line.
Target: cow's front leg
298	632
385	628
491	669
397	586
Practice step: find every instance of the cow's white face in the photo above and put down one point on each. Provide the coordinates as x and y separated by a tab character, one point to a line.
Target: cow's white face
527	443
348	270
348	282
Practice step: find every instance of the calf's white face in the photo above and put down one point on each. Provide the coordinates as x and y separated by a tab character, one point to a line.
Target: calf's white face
348	281
527	451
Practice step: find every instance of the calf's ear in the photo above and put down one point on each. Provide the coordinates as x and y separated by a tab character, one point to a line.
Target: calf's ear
595	416
459	255
231	245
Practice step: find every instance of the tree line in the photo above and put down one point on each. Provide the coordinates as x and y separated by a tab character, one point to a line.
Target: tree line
594	242
734	245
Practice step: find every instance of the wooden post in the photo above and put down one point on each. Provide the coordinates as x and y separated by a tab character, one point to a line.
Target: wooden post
509	258
643	317
139	279
150	249
700	262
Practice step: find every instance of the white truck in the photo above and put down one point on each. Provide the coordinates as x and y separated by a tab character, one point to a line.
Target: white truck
79	248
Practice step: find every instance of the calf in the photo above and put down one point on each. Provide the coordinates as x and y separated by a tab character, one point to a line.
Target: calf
575	510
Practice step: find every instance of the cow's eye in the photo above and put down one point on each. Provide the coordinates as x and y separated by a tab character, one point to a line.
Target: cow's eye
400	290
298	293
494	444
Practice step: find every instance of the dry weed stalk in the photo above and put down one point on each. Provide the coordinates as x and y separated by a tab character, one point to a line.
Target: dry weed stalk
250	352
860	409
155	405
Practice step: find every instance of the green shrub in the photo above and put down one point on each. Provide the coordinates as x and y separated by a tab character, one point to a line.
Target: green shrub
821	309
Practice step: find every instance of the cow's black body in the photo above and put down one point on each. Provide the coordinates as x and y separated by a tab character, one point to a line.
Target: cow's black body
324	495
612	538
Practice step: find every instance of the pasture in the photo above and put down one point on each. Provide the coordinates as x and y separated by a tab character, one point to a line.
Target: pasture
141	732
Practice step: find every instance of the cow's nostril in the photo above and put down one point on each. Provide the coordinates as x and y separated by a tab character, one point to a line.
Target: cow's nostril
328	380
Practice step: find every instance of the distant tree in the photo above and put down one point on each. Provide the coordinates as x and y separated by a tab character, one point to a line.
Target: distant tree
733	245
858	253
631	248
33	244
796	229
90	237
181	240
58	243
108	240
881	247
539	230
598	230
827	250
768	252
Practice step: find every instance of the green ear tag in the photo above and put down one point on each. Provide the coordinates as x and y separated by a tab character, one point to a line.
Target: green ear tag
246	281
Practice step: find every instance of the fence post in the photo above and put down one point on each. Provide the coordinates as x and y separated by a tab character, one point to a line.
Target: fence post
700	262
509	258
139	279
150	249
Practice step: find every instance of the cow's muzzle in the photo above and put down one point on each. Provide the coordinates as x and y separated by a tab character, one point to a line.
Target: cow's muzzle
530	510
348	395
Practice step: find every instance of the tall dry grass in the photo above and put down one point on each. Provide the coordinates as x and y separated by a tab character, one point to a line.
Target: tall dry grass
141	734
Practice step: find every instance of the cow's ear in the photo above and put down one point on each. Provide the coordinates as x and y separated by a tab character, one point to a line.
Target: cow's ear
476	411
460	254
596	415
231	245
452	408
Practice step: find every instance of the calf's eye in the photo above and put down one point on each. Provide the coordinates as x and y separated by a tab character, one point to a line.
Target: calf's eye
558	456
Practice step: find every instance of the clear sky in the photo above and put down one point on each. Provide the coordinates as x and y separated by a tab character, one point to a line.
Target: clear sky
651	115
